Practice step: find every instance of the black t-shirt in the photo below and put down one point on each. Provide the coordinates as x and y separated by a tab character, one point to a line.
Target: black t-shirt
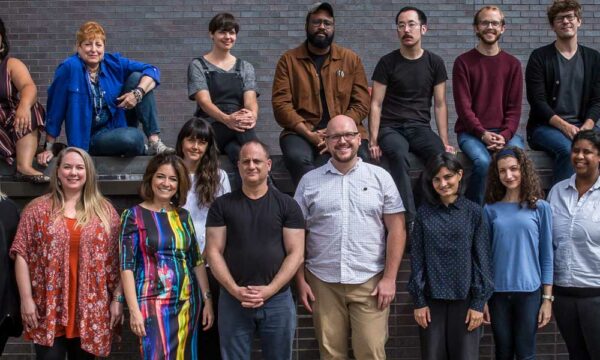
409	86
254	249
319	60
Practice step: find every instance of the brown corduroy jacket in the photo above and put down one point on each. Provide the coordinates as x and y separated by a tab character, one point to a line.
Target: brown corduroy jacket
296	88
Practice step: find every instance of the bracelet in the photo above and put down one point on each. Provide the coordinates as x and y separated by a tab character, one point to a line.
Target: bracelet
138	94
142	91
548	297
207	296
119	298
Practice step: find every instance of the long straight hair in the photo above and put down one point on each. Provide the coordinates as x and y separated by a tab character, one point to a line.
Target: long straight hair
207	180
91	202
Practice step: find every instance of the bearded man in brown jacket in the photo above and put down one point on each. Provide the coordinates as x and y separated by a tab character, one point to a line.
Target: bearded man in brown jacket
313	83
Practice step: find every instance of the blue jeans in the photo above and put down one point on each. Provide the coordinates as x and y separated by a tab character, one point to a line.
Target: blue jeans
557	145
514	323
128	141
481	158
275	322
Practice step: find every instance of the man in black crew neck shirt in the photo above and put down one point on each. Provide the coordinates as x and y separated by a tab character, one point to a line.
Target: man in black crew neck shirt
404	83
254	245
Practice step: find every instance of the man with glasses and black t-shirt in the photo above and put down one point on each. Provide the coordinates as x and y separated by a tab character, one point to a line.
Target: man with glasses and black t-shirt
404	82
563	89
313	83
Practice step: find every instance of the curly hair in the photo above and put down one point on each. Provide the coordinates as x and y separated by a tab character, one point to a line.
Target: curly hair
207	178
531	189
559	6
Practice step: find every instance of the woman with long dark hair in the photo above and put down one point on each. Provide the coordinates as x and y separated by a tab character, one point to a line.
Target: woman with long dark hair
450	258
521	233
197	147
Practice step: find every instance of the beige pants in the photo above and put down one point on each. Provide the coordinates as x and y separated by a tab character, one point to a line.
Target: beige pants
340	310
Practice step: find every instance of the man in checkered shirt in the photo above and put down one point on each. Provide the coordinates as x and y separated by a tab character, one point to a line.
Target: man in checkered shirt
349	277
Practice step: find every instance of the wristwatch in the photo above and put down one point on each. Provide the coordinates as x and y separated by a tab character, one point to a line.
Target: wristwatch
48	146
548	297
207	295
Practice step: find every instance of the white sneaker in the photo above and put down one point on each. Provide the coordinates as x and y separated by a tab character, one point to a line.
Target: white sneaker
157	147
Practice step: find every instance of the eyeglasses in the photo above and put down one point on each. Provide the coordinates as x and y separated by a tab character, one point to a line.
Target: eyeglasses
349	136
410	26
318	22
568	17
486	23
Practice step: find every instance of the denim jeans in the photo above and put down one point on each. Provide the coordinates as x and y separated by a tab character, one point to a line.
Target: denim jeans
275	322
557	145
481	158
514	323
128	141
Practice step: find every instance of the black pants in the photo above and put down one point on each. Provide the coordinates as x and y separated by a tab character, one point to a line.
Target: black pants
209	346
447	337
300	156
230	142
63	347
578	320
396	142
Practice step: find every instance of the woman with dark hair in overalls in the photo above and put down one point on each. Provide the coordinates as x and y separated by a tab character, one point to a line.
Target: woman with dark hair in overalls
224	87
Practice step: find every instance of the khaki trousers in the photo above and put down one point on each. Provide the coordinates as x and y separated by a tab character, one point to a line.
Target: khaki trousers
341	310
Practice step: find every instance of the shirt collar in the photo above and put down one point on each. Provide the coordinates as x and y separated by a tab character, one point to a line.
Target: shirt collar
329	168
458	204
571	184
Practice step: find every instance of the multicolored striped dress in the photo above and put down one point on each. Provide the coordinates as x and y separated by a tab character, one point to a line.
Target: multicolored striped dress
9	101
161	250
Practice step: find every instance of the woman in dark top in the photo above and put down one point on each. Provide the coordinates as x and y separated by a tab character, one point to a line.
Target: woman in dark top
451	277
21	116
10	316
224	88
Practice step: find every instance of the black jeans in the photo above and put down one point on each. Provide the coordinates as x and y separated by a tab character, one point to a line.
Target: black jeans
300	156
447	337
514	323
62	347
396	142
578	319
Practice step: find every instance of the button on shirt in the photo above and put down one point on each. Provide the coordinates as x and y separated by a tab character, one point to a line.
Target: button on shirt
576	234
451	254
344	218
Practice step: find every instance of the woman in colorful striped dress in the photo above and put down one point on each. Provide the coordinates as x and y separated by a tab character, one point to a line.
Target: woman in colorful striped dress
162	269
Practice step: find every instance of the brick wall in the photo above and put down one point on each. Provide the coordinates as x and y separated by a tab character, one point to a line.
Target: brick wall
169	33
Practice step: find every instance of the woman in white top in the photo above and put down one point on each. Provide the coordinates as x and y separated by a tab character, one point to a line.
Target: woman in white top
197	147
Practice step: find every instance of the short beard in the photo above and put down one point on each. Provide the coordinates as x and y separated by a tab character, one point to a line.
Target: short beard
482	38
319	43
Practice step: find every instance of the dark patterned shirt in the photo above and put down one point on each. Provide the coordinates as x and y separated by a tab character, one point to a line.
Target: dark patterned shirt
451	254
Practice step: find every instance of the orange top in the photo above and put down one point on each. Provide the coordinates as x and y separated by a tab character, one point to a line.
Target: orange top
72	331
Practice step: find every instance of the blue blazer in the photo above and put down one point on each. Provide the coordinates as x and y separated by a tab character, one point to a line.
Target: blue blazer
70	95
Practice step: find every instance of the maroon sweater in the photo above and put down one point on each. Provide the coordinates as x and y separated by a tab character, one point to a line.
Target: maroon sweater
488	92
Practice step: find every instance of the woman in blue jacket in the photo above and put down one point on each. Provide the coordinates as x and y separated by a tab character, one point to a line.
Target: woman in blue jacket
99	96
521	233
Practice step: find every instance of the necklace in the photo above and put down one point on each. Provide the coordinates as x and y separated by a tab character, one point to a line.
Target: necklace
97	97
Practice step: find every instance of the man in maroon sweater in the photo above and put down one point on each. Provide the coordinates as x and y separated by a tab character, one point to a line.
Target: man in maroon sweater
488	89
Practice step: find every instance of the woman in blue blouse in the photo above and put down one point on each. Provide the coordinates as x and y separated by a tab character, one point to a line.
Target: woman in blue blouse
451	278
521	232
98	95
